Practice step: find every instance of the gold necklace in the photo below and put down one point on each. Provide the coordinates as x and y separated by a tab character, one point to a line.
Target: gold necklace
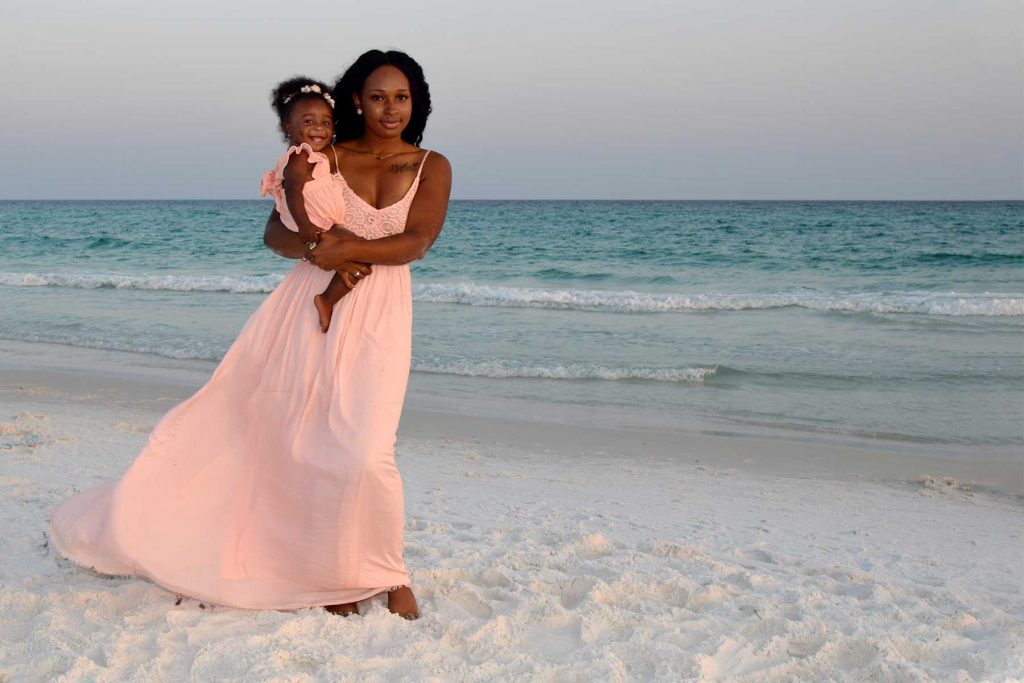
379	156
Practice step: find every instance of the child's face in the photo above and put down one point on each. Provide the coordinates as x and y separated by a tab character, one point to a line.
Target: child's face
311	121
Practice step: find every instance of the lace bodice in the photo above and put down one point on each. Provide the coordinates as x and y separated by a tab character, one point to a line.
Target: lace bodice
372	223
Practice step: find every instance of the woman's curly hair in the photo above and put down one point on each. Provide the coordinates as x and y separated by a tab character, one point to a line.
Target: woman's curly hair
348	125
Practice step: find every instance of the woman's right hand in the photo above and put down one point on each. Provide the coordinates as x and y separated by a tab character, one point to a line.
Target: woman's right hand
353	272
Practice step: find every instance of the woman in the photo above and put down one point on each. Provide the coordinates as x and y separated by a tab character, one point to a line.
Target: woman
274	486
396	198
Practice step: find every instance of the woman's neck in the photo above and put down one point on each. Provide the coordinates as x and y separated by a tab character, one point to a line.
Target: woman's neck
378	148
372	143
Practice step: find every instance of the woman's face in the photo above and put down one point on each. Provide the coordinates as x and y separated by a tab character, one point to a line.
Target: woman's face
311	121
386	102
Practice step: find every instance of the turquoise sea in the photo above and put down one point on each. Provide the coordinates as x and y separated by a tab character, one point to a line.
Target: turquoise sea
893	320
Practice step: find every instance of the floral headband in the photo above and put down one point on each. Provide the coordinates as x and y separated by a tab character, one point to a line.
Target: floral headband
308	89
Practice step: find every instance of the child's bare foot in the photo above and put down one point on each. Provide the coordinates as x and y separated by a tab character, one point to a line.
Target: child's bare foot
325	310
402	602
348	609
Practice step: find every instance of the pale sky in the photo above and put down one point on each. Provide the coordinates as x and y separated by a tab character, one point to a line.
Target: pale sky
647	99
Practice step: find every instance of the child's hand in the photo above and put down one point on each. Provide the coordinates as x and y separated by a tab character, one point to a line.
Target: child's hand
309	235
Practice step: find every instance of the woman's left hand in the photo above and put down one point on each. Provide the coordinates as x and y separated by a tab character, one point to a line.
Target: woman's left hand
331	252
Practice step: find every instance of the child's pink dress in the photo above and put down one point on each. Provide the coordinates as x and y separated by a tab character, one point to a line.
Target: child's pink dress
325	205
275	485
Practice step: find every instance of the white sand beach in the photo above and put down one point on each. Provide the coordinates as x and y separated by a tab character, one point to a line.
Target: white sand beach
542	549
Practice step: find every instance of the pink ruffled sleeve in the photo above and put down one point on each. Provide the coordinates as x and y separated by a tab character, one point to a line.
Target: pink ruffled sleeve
272	183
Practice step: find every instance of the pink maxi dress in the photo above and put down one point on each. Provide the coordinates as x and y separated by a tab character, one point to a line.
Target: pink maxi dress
275	485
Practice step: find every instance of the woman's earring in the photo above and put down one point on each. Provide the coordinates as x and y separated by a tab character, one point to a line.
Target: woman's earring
359	111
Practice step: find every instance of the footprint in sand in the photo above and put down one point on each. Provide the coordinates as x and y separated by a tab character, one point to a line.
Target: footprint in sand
674	595
711	596
805	646
556	638
468	601
756	555
592	546
493	578
854	655
573	592
674	550
743	579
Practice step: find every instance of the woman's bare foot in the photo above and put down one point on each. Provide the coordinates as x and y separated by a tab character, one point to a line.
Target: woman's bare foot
349	608
402	602
325	310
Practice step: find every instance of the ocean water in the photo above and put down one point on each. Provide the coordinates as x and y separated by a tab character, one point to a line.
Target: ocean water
892	320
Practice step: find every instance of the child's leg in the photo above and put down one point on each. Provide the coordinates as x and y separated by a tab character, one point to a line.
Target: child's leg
325	302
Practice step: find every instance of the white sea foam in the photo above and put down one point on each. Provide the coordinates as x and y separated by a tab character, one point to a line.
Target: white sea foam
498	369
176	283
626	301
505	370
614	301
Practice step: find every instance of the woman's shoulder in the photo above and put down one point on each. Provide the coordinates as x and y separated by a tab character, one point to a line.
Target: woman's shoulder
435	157
436	162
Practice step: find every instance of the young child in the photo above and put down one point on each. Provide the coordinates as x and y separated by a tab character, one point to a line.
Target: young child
307	198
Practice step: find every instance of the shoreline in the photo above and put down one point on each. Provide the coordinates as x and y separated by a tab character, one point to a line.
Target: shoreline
43	372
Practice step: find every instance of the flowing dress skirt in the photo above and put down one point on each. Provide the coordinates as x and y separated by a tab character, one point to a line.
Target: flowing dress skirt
275	485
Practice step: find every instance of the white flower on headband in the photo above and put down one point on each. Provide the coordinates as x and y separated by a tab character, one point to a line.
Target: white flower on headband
308	89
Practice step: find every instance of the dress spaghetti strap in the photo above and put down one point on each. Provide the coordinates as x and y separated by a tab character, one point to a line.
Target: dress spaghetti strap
337	166
423	163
